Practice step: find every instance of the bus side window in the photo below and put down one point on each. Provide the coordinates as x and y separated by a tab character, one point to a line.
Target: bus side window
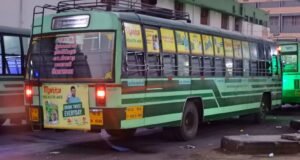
219	56
154	65
135	64
208	66
169	68
246	57
253	62
169	52
12	50
196	66
134	60
219	67
238	58
228	46
208	59
197	52
183	50
183	65
261	62
229	67
246	67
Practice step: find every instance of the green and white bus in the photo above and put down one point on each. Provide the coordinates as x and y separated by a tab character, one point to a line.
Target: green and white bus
289	55
118	70
13	48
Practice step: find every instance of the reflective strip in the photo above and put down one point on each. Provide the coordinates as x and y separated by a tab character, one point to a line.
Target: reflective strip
221	110
9	110
151	120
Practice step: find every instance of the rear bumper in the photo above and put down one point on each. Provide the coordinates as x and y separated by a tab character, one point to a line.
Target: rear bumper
112	118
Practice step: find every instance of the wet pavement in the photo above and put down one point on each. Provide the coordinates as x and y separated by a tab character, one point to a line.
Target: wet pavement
20	143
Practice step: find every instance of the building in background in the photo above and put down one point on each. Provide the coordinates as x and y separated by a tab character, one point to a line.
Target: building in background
223	14
284	17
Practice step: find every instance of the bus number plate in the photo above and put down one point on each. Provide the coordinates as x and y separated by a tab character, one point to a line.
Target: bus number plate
96	118
34	114
134	112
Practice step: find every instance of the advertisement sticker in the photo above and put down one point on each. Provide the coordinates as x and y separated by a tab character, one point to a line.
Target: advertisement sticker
66	106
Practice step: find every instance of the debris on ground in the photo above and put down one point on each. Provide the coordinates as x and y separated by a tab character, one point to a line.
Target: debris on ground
55	152
271	155
187	147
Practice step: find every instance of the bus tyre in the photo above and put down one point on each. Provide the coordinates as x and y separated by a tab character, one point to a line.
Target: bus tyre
189	123
121	133
265	106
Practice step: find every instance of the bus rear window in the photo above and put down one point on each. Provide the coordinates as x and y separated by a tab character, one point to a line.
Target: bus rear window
289	63
75	55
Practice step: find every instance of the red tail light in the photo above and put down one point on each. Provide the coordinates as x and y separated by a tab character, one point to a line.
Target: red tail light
100	96
28	93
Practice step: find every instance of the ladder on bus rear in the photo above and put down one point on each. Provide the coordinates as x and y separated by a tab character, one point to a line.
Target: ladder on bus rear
39	11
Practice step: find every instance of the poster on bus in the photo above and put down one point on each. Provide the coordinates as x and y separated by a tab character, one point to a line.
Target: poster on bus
168	40
228	47
219	47
133	34
208	45
152	40
182	41
66	106
196	43
237	47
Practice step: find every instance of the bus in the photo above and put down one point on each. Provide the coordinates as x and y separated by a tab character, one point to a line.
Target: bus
14	43
119	71
289	57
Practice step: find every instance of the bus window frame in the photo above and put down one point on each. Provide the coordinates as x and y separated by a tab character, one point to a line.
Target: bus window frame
79	80
290	53
3	53
147	54
237	72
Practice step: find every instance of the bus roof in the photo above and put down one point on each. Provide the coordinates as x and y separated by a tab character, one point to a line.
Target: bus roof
147	20
13	30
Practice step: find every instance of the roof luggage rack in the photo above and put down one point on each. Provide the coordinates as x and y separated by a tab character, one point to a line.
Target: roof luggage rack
121	6
106	5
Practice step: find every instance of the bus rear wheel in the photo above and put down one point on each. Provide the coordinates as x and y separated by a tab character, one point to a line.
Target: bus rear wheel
189	123
121	133
265	106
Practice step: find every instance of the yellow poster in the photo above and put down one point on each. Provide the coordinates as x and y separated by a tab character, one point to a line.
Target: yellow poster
152	40
219	47
246	49
228	47
208	45
237	46
66	106
133	34
182	41
168	40
196	43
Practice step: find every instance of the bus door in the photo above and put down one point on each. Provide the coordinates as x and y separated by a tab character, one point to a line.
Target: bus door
289	64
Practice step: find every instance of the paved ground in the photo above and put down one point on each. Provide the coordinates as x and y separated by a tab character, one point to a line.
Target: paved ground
20	143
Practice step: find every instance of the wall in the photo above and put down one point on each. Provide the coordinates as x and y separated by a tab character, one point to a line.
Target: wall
20	12
215	19
195	13
166	4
